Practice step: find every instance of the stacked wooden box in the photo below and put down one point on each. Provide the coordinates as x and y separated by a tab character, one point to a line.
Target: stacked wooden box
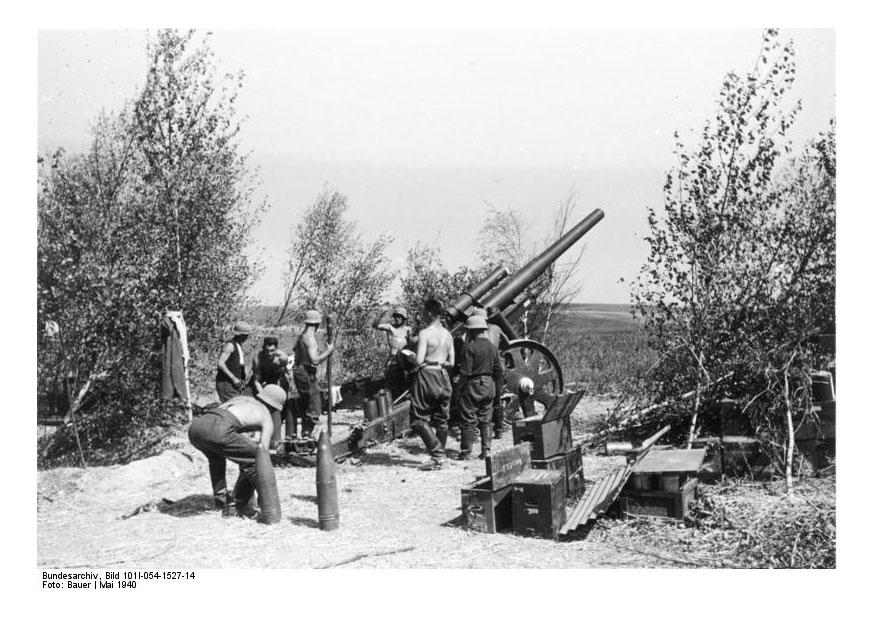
662	484
513	497
552	447
487	505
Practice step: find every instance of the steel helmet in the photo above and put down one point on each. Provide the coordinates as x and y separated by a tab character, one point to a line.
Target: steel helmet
476	322
477	311
242	328
400	311
272	395
312	317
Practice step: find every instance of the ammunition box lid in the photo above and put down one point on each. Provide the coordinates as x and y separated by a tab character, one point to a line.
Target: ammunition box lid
671	461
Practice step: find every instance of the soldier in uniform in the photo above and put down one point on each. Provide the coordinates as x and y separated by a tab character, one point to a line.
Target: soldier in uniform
480	371
494	334
399	336
307	358
218	433
430	403
231	367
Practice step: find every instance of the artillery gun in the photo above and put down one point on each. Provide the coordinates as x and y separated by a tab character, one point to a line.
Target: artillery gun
532	372
528	363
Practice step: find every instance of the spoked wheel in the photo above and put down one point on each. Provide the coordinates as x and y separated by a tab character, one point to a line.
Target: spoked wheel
529	359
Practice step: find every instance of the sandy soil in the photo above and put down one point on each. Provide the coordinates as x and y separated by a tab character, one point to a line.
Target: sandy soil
392	516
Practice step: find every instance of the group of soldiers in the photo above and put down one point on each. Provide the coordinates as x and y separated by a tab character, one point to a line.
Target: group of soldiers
437	360
426	364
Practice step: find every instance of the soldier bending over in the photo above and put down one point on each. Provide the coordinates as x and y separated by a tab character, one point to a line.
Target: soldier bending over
218	434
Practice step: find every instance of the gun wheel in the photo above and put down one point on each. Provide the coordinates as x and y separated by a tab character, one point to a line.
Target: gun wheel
525	358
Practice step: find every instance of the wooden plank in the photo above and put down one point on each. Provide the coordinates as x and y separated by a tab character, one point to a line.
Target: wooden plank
503	466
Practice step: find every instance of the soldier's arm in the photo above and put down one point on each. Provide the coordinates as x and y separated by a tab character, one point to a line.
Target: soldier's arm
227	349
266	431
451	355
313	350
381	321
256	371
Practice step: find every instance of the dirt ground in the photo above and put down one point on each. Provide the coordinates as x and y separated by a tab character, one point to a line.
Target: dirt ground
392	516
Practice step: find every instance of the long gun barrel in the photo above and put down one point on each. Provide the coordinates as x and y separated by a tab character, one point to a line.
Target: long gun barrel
505	293
457	311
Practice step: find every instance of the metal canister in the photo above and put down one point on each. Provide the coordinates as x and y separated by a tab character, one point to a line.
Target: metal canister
618	448
380	397
371	410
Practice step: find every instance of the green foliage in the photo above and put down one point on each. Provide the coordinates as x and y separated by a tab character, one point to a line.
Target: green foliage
425	277
154	216
741	270
332	268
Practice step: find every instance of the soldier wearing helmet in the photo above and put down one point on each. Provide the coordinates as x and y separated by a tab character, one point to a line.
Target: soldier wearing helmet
399	336
220	434
494	335
479	373
307	358
231	367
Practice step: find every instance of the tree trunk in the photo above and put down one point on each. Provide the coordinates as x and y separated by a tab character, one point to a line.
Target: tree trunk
696	402
791	440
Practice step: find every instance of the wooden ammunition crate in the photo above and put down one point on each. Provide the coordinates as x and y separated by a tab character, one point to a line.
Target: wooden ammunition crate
538	501
571	463
712	467
657	503
485	510
744	456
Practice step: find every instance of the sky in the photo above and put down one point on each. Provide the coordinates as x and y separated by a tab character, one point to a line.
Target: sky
422	130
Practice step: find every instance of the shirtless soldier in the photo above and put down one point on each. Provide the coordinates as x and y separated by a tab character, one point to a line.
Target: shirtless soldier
307	357
430	404
269	368
218	433
399	336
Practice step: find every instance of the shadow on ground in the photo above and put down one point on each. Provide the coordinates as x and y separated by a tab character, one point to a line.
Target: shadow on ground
387	460
304	521
190	506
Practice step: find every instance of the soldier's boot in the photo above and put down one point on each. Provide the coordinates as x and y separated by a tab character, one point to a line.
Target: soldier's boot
441	434
498	420
244	489
485	440
465	444
222	502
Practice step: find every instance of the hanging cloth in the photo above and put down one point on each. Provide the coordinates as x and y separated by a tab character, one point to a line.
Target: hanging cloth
174	356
